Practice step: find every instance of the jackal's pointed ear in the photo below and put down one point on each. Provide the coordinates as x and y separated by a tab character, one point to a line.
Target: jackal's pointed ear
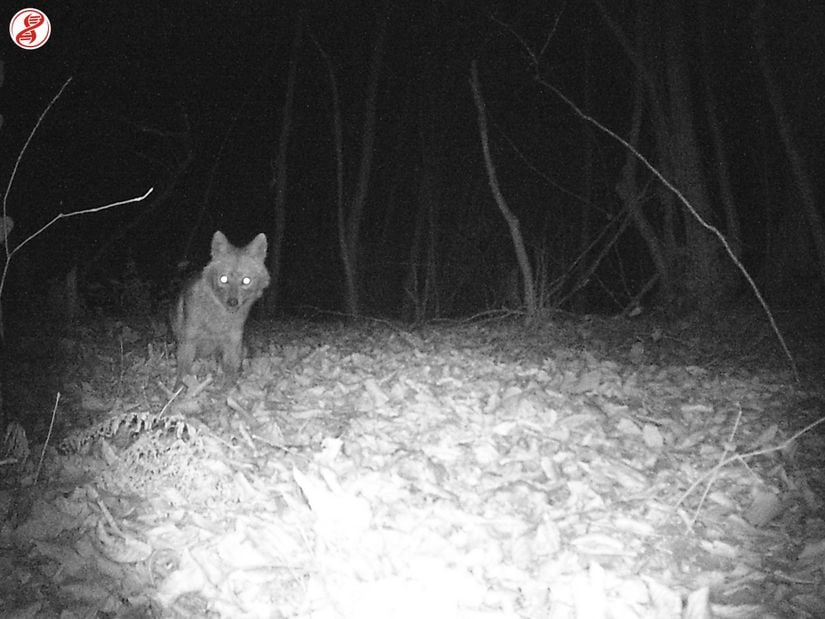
219	244
258	246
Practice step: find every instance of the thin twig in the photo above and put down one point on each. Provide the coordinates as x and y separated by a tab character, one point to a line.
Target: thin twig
48	436
166	406
587	118
23	150
758	452
729	447
56	218
712	229
94	209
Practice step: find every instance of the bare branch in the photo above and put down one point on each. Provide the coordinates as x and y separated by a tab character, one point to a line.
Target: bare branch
55	219
95	209
25	146
712	229
535	58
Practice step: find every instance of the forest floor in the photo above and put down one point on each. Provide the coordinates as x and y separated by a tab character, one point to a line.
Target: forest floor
583	468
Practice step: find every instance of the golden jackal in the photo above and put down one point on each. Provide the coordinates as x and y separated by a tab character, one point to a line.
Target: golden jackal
212	308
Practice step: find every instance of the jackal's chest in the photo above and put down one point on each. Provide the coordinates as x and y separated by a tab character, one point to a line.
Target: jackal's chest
206	345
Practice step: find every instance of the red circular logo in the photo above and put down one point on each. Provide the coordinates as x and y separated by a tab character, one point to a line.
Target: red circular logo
30	28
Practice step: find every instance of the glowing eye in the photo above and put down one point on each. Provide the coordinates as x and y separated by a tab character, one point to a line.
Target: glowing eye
246	281
224	279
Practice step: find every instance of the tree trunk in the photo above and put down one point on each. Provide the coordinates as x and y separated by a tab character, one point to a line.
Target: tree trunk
279	179
646	55
417	284
701	266
732	228
350	223
587	193
631	197
338	140
801	177
511	219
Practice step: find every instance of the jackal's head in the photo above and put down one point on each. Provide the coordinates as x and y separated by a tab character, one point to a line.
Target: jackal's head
238	275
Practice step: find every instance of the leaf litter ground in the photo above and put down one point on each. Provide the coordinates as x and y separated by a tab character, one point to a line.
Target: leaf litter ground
586	468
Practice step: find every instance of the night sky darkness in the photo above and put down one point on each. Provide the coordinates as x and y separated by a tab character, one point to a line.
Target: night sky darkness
140	71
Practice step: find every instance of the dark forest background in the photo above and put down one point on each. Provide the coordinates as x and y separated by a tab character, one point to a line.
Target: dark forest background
230	110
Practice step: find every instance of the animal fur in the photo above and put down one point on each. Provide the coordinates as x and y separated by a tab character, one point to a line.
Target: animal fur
212	307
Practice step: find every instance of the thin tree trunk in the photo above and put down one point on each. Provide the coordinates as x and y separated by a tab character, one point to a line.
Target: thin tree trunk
280	179
338	140
630	195
644	55
702	286
511	219
6	224
430	197
586	220
355	216
732	227
415	290
431	283
800	172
